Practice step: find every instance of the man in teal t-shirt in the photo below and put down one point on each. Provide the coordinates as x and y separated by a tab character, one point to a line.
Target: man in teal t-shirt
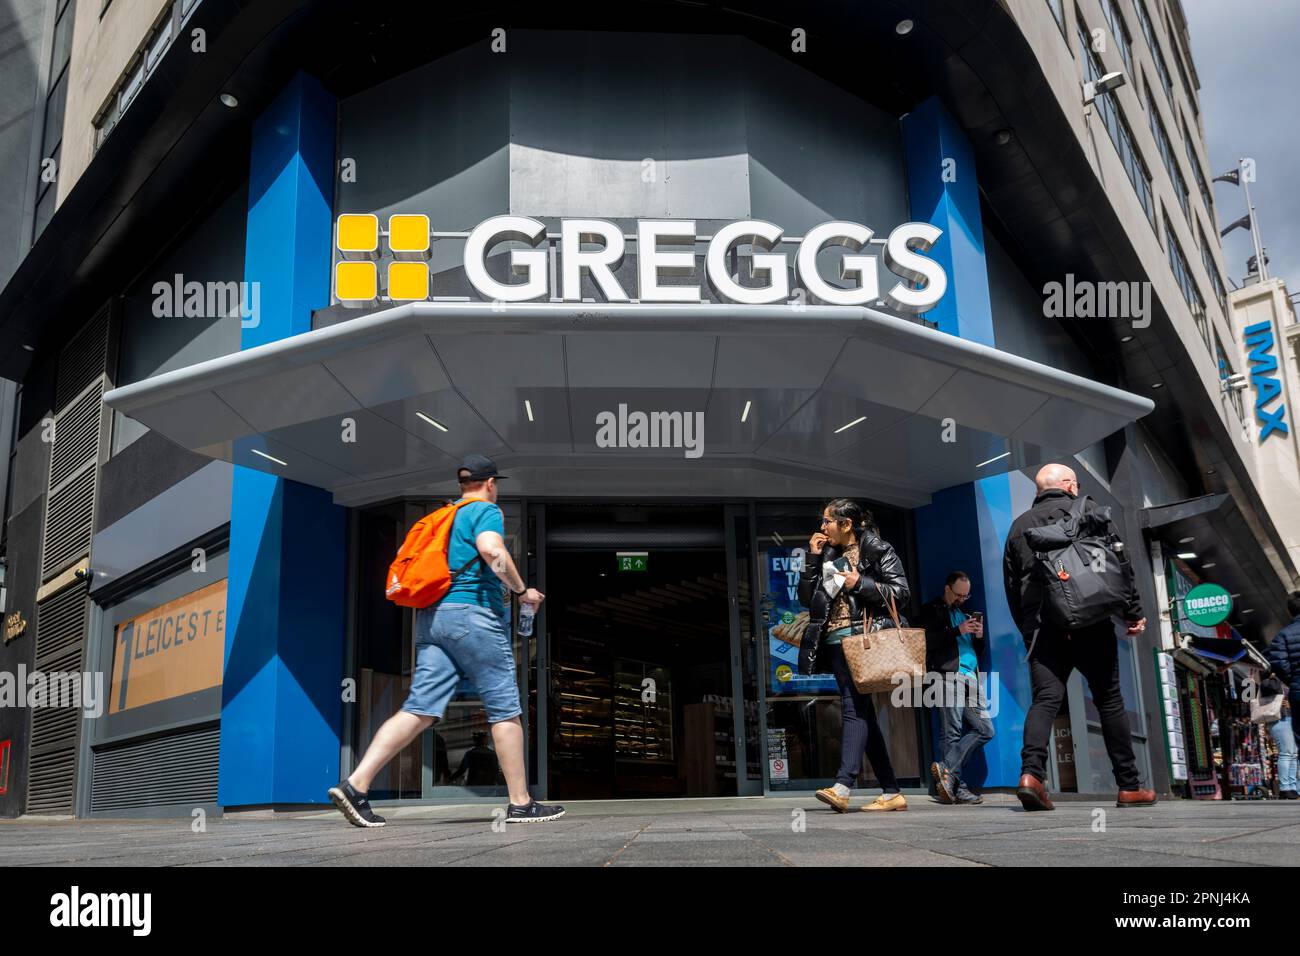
463	637
475	584
964	722
967	662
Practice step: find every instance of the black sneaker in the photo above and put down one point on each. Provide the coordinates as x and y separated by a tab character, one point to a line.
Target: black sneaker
354	805
965	797
533	813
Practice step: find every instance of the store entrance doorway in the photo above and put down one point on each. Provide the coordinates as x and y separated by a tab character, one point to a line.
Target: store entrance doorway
639	639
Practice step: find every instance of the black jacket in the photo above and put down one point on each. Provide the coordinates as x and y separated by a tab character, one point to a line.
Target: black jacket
942	653
878	564
1023	591
1284	655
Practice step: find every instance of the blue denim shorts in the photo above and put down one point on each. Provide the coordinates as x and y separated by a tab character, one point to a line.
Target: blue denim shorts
455	642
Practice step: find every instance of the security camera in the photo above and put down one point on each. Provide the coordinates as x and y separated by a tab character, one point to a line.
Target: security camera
1236	382
1094	88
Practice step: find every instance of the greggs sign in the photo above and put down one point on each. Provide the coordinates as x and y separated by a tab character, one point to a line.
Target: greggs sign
597	248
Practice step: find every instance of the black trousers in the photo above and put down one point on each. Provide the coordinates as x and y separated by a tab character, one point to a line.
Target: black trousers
860	731
1094	651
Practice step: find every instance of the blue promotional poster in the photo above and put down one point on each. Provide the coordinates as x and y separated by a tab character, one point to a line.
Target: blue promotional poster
787	621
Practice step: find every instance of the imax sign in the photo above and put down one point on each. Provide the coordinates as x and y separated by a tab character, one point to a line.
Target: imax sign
1263	375
596	248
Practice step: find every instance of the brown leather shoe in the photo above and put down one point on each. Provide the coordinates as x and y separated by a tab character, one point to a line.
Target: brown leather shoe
1136	798
829	797
1032	794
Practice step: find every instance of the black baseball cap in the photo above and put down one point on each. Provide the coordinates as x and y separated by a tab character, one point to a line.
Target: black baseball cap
477	468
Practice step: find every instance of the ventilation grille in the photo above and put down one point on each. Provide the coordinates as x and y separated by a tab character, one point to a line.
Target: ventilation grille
69	521
60	625
51	777
76	437
82	359
178	770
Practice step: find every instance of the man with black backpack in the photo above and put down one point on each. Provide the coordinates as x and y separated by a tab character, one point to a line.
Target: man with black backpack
1067	579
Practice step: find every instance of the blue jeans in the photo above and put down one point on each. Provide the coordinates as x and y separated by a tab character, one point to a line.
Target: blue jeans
455	642
964	721
1284	736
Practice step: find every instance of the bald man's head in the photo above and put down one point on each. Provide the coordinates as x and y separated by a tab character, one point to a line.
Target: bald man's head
1054	476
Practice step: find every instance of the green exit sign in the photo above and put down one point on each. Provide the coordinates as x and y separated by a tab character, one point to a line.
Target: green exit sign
633	560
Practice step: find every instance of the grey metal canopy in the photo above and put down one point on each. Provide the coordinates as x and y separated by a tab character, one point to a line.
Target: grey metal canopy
1244	558
796	400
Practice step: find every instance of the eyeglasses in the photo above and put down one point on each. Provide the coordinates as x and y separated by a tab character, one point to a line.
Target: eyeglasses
826	521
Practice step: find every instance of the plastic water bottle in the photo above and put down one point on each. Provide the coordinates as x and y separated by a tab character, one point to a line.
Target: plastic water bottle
526	614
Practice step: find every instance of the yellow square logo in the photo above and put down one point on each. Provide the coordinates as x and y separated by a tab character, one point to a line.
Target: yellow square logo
358	235
408	234
408	281
356	281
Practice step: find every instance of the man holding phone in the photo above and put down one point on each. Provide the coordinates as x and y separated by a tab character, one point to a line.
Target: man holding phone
950	636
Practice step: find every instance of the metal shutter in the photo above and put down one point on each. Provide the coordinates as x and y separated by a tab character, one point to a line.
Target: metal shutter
69	520
61	618
177	770
82	359
52	767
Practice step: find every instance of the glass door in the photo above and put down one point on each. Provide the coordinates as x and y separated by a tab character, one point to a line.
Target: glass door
458	752
747	697
456	756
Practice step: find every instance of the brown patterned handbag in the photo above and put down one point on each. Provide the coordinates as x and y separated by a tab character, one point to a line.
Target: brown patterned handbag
877	658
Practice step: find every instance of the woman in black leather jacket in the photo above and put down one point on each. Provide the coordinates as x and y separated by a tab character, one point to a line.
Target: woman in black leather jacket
874	574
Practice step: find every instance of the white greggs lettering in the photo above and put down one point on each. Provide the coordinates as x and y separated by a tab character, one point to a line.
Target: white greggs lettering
921	284
902	253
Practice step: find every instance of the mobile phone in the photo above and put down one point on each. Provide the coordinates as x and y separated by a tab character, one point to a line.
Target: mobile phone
977	616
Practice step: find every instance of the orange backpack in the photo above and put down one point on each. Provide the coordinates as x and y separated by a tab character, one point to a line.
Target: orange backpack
419	575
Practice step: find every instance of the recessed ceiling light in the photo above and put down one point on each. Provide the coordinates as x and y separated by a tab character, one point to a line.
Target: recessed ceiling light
438	425
1235	595
1210	471
1205	566
228	100
1157	384
745	414
992	460
1187	555
855	421
1002	137
30	348
269	457
528	407
904	27
1188	540
1249	610
1126	338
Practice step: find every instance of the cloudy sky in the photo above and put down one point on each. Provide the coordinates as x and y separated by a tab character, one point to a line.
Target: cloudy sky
1246	56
